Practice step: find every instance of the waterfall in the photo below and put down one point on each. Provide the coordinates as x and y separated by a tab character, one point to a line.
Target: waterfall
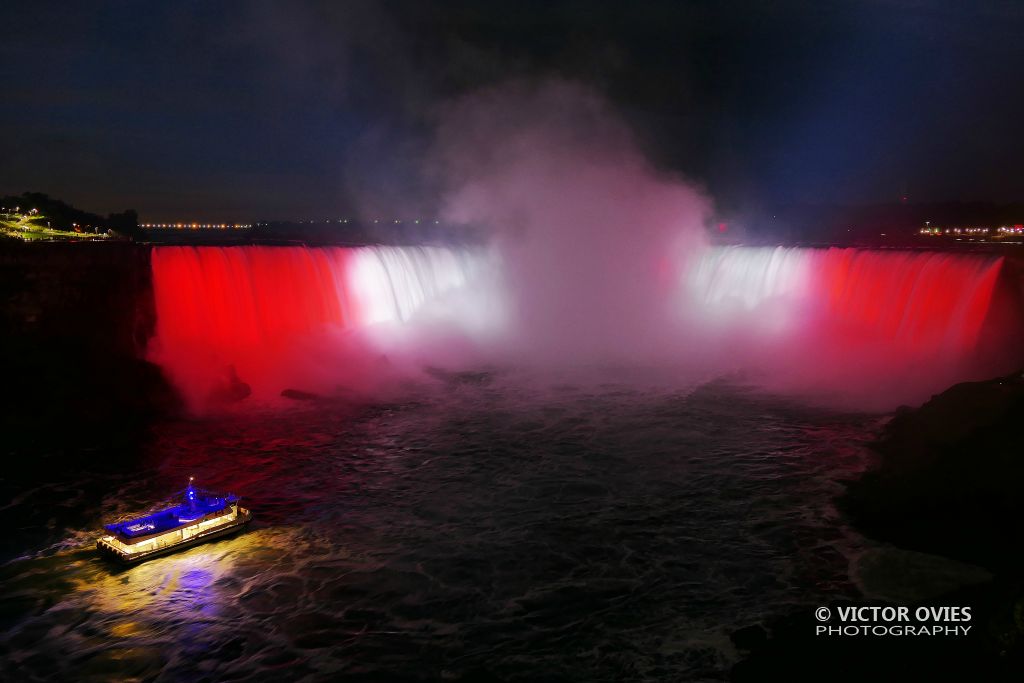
931	301
251	319
253	315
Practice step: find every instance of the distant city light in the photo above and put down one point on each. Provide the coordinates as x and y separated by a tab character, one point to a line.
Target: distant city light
973	230
195	226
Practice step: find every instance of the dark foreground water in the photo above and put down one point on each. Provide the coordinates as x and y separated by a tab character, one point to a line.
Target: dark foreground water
475	527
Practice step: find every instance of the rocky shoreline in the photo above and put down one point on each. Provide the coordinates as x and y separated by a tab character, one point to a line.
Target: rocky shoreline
946	493
950	476
76	319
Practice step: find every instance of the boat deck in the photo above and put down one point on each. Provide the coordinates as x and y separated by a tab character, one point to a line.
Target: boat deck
176	538
174	517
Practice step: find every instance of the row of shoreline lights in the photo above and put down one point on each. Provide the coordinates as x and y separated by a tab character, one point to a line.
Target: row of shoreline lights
375	220
222	226
954	231
1011	230
195	226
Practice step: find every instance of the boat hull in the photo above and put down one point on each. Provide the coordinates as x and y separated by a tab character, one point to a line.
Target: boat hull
234	526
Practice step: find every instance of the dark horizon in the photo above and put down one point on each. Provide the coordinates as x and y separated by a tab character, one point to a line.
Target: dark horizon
261	111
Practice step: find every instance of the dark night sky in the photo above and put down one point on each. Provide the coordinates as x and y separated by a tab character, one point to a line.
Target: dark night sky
250	110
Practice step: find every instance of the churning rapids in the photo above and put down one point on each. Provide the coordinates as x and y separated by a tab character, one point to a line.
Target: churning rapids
586	521
478	523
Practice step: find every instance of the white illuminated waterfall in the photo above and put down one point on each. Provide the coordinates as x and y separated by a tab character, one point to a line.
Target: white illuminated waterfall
391	284
275	316
929	300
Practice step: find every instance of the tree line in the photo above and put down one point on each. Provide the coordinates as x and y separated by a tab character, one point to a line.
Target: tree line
63	216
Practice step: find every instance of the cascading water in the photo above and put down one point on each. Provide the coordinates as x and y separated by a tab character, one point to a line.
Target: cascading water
394	284
271	316
929	301
870	327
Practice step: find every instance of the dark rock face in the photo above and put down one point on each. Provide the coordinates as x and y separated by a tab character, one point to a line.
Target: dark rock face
951	476
949	481
299	395
231	389
461	377
74	322
78	296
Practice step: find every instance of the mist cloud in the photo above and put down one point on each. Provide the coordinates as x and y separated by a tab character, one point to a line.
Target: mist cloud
588	231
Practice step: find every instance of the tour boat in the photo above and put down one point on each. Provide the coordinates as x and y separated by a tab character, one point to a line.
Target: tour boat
201	516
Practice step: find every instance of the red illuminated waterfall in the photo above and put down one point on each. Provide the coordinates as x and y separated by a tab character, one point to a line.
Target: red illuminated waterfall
253	297
271	318
867	328
928	301
279	317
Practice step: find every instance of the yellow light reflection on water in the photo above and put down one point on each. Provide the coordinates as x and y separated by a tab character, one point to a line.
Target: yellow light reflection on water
131	623
198	584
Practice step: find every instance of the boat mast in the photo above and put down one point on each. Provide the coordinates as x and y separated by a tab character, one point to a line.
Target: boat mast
190	494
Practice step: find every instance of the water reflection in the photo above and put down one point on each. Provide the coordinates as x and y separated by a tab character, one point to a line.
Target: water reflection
520	531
